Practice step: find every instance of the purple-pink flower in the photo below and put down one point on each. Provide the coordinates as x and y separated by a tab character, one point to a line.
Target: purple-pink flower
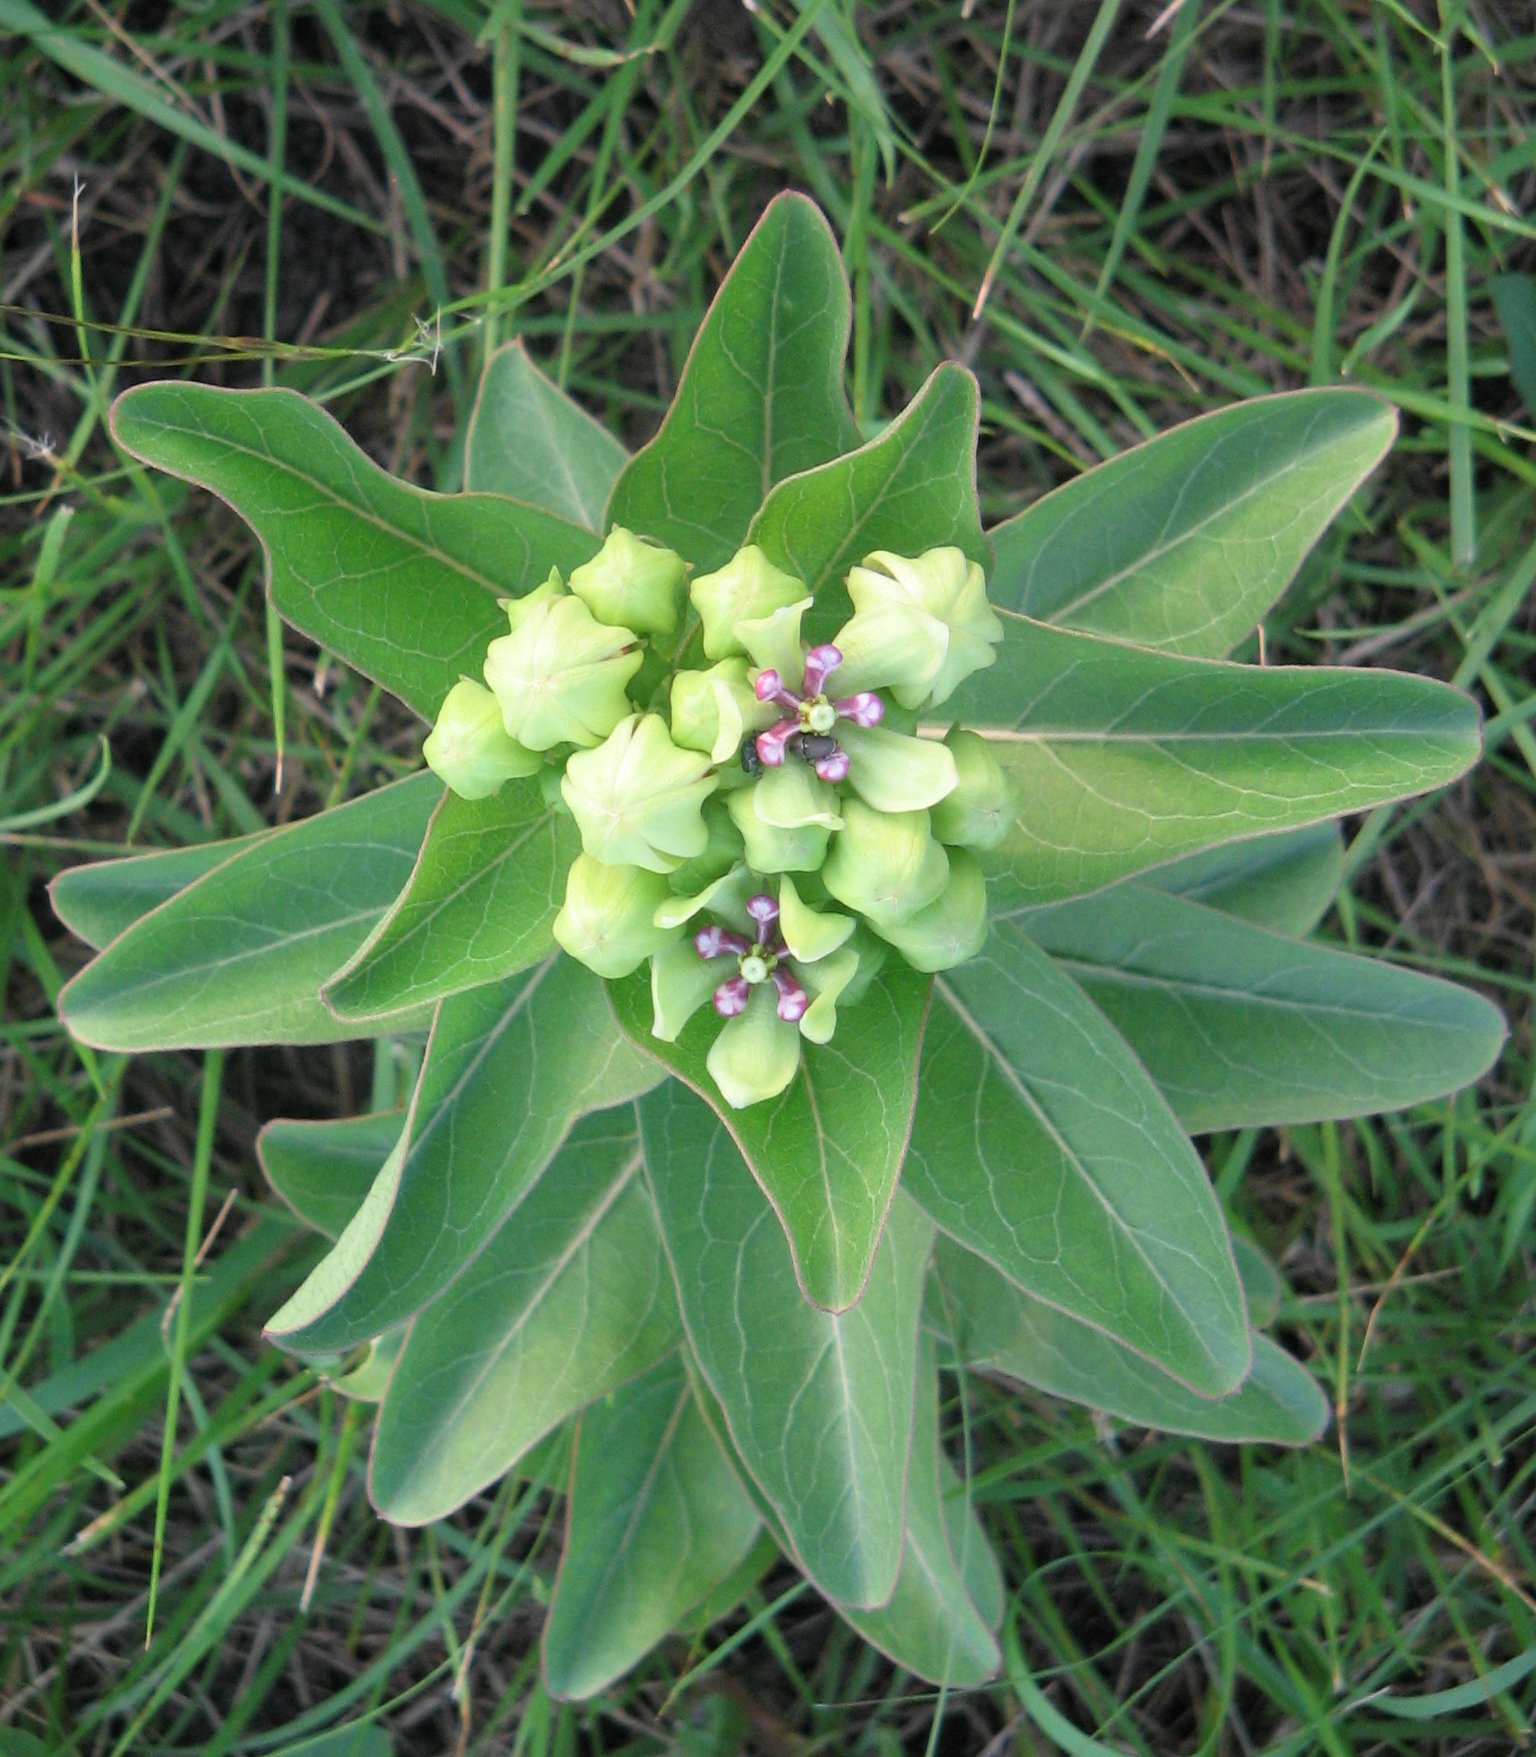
810	716
758	959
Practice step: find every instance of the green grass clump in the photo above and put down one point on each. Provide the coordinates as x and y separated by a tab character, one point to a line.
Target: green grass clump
1119	215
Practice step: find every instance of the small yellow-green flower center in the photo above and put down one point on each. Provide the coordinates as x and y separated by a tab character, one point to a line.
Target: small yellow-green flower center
818	715
755	967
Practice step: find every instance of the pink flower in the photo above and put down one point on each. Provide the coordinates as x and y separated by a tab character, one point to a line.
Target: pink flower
810	716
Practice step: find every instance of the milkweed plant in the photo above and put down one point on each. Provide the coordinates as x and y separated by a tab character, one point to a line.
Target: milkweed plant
820	924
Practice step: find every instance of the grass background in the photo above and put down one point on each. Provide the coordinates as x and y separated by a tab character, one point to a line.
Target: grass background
1119	214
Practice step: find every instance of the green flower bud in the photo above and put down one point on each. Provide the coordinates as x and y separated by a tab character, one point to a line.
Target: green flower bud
773	641
775	847
794	796
714	710
982	809
608	918
637	799
468	747
893	772
885	864
920	627
722	850
747	587
518	609
953	927
756	1054
631	583
559	676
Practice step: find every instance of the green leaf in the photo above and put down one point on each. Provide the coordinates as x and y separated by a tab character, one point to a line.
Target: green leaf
1240	1027
401	583
827	1152
528	440
569	1298
1183	543
1286	883
478	907
822	1415
995	1325
239	955
508	1069
324	1170
657	1520
1514	300
103	898
1125	758
1041	1144
931	1625
761	396
911	489
1263	1287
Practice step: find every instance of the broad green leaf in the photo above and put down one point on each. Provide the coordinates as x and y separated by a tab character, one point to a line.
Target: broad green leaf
911	489
1286	883
477	908
931	1624
657	1520
818	1405
1041	1143
1183	543
104	898
324	1170
1263	1287
508	1069
827	1152
1240	1027
569	1298
1125	758
367	1380
528	440
399	582
239	956
995	1325
761	396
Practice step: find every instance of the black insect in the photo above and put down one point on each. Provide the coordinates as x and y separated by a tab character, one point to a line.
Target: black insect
810	747
750	760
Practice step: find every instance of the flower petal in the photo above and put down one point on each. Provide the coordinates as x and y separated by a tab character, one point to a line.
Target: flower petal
893	772
756	1055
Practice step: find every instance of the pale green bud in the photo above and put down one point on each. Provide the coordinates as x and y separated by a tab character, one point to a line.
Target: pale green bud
468	747
885	864
518	609
608	918
559	676
794	796
894	772
632	583
920	627
637	799
982	809
722	850
747	587
714	710
773	641
775	847
756	1054
953	927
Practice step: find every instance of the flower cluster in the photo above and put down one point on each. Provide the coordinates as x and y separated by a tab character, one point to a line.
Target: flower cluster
760	820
